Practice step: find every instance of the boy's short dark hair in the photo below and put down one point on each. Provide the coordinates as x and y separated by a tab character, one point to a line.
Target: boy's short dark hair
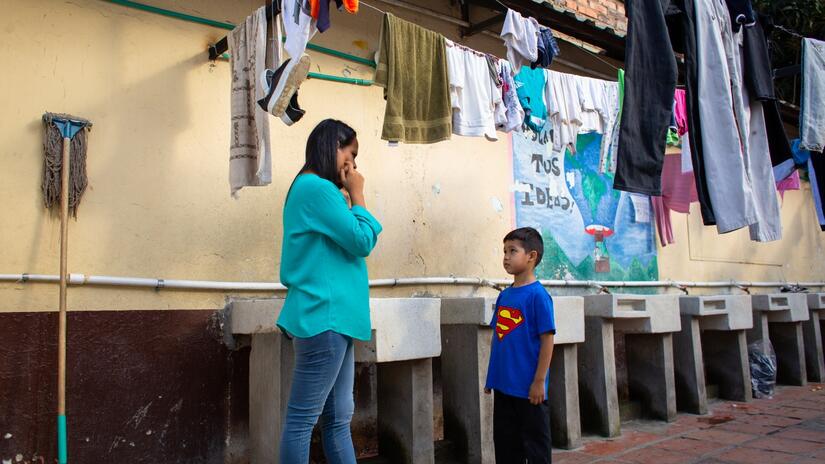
530	240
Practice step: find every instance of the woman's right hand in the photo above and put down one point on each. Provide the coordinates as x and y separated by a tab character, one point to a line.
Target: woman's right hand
353	182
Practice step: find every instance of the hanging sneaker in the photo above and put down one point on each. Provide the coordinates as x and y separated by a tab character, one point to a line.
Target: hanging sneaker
293	112
279	85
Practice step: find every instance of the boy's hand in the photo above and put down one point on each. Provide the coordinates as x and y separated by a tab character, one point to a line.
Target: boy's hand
487	391
537	394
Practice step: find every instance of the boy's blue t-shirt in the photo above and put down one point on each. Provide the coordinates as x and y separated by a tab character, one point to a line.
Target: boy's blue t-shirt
522	315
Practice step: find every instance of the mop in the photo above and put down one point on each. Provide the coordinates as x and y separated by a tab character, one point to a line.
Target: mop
70	164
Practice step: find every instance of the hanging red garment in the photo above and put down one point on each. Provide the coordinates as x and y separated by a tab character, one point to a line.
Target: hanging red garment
351	6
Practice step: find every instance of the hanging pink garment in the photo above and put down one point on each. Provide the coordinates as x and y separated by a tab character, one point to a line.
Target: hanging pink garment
678	192
789	183
680	111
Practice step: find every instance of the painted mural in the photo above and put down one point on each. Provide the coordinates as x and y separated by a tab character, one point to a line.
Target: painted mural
590	231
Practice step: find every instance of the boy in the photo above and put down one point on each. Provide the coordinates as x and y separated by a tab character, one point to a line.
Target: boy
522	347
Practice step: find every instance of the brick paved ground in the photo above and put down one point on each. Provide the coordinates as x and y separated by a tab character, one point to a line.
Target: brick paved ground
787	429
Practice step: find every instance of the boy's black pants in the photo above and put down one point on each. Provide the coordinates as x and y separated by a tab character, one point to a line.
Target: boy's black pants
521	431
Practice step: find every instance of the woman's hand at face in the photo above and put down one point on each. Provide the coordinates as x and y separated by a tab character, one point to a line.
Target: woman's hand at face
353	182
351	179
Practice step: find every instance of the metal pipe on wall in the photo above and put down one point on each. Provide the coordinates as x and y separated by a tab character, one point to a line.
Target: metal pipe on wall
209	285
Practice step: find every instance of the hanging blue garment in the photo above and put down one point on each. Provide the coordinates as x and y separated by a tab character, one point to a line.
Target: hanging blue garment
530	89
548	49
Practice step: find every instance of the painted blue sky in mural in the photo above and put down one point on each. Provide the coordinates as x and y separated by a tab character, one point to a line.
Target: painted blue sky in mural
567	197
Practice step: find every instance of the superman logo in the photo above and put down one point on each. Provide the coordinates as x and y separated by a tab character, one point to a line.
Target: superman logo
507	321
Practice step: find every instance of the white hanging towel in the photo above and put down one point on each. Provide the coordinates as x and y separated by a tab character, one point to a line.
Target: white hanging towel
250	159
812	116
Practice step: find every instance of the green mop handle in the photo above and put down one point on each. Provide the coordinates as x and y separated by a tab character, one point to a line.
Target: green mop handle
62	452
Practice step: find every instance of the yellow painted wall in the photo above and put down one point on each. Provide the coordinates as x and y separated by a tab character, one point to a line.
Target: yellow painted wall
158	202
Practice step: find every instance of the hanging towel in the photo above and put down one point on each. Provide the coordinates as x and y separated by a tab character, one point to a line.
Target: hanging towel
812	116
412	69
250	161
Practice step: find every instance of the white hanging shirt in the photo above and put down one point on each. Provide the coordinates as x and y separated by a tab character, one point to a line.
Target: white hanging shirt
475	98
520	36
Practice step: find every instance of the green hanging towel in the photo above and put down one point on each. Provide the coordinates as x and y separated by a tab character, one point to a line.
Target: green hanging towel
412	69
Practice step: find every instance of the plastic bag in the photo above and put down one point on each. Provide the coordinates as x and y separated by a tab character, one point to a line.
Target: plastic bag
763	368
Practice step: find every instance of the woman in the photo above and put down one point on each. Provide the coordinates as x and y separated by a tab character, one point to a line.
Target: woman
327	303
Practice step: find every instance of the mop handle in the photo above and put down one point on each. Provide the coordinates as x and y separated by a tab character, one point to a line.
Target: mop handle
61	347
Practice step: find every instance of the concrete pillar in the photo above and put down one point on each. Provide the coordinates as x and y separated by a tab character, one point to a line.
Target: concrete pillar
565	419
816	302
598	397
406	336
405	411
759	332
468	413
650	373
812	329
270	378
691	390
726	363
788	343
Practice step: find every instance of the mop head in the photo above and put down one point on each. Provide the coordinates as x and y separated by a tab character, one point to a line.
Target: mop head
53	162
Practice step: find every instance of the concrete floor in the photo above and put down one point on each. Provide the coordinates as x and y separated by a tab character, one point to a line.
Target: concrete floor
787	429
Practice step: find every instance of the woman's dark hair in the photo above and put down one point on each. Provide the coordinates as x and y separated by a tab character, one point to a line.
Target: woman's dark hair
322	148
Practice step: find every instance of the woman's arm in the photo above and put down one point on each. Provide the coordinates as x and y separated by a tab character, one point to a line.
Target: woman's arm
354	230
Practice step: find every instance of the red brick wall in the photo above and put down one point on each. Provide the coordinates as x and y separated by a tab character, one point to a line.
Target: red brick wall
609	13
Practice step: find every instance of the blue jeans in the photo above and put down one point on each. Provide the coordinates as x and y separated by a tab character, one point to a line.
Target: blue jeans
322	386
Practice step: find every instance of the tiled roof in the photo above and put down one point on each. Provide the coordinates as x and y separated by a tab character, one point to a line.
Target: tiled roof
608	15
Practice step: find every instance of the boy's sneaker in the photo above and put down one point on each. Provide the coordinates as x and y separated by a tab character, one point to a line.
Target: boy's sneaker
279	85
293	112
